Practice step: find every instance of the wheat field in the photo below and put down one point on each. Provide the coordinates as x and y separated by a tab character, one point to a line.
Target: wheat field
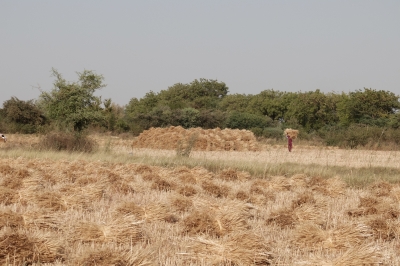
123	205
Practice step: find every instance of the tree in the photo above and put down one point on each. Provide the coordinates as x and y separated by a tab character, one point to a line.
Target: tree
313	110
271	103
25	116
199	94
247	121
368	106
73	104
235	102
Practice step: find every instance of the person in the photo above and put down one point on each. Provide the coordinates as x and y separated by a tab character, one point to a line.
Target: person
3	137
290	144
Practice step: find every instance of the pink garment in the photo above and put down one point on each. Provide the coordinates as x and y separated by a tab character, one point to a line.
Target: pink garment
290	143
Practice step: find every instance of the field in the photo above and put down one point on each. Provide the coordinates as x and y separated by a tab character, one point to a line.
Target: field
128	205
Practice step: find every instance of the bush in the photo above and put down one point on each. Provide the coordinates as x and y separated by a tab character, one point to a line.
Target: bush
67	142
247	121
257	131
272	133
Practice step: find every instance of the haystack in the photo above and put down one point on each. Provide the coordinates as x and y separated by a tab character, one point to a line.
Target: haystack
291	132
202	139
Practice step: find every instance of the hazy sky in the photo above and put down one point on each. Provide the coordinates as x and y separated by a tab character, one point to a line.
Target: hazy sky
250	45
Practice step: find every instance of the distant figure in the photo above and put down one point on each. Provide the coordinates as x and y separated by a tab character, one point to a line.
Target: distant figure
290	142
3	137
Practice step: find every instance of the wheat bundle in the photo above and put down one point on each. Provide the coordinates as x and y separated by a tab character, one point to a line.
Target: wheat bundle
309	212
8	196
100	256
283	217
122	229
235	249
94	191
259	186
310	235
11	182
42	220
142	169
382	229
105	256
201	222
233	175
380	188
181	203
150	212
9	218
218	217
162	184
292	133
22	247
6	169
335	187
302	199
298	181
187	190
365	254
214	189
279	183
371	205
51	200
395	193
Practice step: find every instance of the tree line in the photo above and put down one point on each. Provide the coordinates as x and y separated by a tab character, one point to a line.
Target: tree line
346	119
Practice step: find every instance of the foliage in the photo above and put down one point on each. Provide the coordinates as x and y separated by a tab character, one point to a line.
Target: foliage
61	141
199	94
273	104
189	118
272	133
235	102
73	104
22	116
211	118
367	106
247	121
313	110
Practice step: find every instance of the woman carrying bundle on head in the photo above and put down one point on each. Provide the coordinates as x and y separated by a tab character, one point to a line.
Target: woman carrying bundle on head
3	137
291	134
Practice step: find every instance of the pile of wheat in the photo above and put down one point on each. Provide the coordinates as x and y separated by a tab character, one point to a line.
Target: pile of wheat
291	133
202	139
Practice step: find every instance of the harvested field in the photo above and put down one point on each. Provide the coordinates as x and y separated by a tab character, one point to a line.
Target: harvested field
80	213
124	206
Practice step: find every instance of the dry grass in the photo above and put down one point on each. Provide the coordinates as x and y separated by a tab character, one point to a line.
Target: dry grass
215	208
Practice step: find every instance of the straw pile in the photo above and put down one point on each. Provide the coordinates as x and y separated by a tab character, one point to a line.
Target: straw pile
291	132
205	139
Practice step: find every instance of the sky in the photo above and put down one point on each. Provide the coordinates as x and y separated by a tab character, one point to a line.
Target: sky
142	46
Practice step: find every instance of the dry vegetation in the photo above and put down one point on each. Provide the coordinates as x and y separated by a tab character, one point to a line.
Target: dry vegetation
152	208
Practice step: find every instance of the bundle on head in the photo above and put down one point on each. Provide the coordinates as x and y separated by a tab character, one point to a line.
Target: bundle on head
291	132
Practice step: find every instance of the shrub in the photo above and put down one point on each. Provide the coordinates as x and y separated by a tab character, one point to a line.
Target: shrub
246	120
272	133
68	142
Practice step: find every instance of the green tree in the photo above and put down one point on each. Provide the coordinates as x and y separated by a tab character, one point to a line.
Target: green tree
25	116
189	118
368	106
199	94
235	102
271	103
313	110
242	120
73	104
